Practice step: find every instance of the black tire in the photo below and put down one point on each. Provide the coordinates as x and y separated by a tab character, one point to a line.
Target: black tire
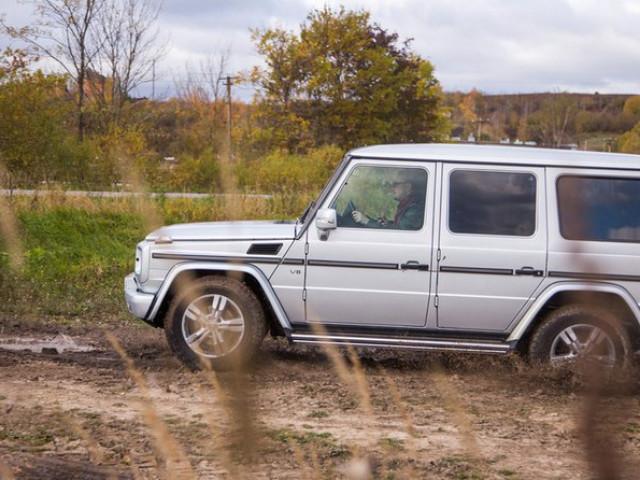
580	332
215	322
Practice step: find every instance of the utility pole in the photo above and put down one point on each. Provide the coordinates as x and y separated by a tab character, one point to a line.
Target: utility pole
228	83
153	80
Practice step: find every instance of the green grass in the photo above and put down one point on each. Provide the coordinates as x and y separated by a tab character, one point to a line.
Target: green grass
75	252
318	414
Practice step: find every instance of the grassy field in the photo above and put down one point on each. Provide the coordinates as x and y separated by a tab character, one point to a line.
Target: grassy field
63	258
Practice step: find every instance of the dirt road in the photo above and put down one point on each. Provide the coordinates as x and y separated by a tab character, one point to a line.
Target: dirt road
298	413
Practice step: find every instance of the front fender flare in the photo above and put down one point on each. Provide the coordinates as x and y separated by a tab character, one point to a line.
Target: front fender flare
245	269
529	317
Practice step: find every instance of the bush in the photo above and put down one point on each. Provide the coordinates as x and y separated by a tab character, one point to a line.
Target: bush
281	172
194	174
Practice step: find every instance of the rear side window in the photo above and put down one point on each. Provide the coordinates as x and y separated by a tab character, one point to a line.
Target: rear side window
599	209
492	203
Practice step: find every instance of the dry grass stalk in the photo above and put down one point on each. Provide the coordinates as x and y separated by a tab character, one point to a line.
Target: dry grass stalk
9	231
131	176
361	383
315	464
133	468
342	369
96	454
6	473
299	455
355	379
177	462
601	446
408	423
217	431
397	401
452	399
602	416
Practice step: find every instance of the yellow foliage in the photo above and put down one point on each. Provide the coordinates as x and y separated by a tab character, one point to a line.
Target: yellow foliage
632	106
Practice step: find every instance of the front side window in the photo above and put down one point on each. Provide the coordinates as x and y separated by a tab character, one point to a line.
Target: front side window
492	203
599	209
383	198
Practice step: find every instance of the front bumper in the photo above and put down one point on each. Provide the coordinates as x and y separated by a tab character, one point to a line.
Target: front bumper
137	302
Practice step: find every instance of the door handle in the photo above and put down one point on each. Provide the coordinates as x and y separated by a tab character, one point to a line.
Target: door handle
413	265
530	271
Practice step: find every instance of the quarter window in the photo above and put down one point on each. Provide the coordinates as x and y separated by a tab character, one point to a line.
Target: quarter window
599	209
492	203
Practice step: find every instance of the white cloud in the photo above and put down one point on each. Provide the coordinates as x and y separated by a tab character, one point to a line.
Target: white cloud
497	46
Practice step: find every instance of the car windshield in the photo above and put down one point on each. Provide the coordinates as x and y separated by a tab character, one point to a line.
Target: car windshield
325	190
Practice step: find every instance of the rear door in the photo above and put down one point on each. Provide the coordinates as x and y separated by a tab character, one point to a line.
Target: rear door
492	245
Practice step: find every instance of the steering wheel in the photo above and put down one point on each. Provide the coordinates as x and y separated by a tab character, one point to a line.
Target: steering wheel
345	219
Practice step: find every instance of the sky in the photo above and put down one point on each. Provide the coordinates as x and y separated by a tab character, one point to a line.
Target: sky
495	46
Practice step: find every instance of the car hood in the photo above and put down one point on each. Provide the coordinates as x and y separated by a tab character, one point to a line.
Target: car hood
257	230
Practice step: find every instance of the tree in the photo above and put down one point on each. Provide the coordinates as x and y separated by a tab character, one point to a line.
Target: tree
129	47
345	81
281	84
106	42
555	121
472	109
630	141
632	106
202	89
33	122
62	32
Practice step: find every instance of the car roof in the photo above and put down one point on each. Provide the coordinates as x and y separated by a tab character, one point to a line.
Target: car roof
498	154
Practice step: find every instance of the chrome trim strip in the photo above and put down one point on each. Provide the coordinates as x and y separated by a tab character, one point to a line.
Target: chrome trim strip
483	271
404	343
594	276
293	261
342	264
216	258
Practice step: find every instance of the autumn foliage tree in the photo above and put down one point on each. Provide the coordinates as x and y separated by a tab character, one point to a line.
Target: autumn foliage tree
34	110
630	141
106	47
345	81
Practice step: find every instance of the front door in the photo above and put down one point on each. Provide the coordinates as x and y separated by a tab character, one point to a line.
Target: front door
374	269
492	246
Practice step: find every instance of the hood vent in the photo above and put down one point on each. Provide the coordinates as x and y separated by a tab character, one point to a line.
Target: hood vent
264	249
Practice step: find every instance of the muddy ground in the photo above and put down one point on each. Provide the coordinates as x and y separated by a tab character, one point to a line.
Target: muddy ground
301	413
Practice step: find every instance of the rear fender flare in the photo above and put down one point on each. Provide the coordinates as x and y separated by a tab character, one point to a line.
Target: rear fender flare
530	316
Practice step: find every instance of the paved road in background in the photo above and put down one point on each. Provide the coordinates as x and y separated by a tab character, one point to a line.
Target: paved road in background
83	193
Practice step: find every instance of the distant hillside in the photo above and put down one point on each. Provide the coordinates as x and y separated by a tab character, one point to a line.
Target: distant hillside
581	120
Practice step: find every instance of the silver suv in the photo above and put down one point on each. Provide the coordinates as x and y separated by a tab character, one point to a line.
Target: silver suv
431	247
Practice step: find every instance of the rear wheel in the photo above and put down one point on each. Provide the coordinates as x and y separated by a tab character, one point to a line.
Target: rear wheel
579	332
216	322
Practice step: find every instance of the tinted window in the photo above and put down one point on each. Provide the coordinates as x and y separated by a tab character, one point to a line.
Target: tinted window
600	209
492	203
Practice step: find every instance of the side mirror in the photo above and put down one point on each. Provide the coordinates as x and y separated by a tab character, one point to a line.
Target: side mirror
326	220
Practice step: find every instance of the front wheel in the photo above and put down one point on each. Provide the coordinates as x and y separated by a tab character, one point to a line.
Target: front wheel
580	332
215	322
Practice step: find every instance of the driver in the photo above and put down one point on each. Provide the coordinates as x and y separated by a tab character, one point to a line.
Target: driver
410	210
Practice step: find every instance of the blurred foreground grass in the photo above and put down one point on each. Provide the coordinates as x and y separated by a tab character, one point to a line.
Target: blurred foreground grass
74	251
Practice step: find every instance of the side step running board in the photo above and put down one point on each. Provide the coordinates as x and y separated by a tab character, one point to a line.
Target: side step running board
407	343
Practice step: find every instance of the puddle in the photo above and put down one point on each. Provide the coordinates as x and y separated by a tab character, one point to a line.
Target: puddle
59	344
